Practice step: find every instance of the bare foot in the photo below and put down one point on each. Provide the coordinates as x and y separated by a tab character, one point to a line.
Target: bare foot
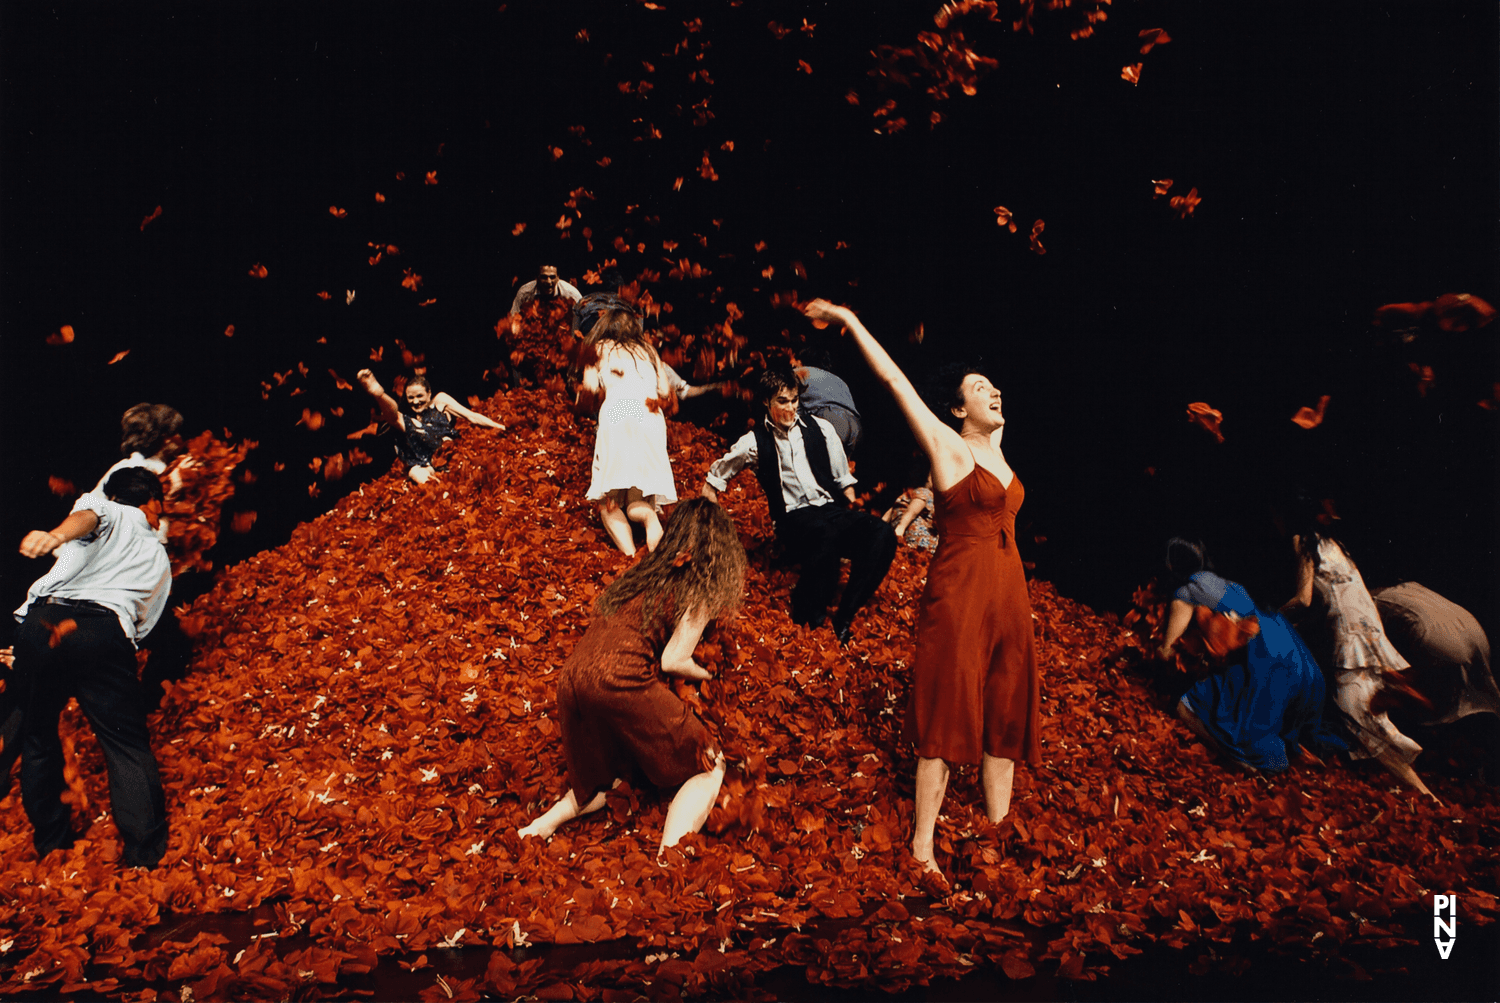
928	861
535	829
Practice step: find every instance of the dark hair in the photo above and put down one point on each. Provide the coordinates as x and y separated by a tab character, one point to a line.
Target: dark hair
944	389
818	358
1308	522
418	381
133	486
776	378
1185	558
712	575
145	428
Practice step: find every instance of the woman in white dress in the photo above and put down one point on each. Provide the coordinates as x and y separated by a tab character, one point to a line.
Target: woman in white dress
1364	661
632	476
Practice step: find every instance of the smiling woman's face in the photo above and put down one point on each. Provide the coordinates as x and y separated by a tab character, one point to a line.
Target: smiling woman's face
418	398
981	402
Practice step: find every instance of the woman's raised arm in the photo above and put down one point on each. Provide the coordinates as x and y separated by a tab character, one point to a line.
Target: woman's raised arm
943	446
445	403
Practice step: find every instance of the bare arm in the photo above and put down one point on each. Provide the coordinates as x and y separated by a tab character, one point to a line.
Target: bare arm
951	459
446	404
389	410
1304	582
80	523
677	656
1177	624
663	383
913	509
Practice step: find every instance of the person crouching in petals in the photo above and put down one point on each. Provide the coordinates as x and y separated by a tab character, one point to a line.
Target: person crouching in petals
976	694
632	475
424	424
617	713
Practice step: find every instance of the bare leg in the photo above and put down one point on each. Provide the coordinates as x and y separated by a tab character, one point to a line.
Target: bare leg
1198	728
617	526
998	776
689	809
932	783
421	474
563	811
1402	771
644	513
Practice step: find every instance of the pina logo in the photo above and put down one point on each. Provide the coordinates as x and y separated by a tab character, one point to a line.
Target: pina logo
1445	928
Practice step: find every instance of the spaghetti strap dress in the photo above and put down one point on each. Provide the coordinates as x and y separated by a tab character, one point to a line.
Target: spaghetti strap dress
975	687
618	715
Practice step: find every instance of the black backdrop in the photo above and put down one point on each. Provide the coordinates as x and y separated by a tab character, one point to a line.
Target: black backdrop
1345	154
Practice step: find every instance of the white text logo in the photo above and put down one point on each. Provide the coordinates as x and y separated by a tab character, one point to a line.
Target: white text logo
1444	928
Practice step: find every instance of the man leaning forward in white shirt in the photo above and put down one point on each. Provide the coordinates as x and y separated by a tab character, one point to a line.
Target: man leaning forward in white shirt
79	628
805	476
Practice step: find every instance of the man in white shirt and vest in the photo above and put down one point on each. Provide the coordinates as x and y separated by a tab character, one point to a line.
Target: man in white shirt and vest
79	628
804	473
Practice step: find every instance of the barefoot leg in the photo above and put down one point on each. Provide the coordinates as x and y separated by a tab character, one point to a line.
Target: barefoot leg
644	513
1197	727
689	809
565	810
932	783
999	775
617	525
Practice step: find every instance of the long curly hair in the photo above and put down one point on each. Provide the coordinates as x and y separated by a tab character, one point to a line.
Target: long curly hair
619	325
699	562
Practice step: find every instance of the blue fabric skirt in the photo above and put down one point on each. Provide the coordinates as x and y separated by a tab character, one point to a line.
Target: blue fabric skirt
1270	703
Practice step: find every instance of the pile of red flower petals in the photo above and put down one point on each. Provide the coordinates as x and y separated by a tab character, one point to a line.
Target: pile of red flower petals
197	485
371	719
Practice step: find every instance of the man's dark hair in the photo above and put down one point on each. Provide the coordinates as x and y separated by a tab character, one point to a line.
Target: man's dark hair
775	379
133	486
145	428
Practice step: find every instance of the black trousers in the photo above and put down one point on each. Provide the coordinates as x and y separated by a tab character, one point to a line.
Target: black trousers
95	663
819	536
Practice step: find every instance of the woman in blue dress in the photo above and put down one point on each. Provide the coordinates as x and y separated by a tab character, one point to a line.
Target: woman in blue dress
1258	709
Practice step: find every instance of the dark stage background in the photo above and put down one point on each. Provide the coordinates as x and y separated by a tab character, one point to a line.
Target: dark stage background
1345	155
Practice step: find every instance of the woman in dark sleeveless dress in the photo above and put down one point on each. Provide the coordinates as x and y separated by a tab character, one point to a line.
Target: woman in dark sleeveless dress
975	690
617	713
423	424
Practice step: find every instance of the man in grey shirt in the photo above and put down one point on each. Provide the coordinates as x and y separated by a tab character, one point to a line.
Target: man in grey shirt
828	397
79	627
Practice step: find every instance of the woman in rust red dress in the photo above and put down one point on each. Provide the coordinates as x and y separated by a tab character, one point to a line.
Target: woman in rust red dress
975	691
617	713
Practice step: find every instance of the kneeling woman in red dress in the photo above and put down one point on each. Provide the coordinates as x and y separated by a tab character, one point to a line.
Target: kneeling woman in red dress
618	715
975	691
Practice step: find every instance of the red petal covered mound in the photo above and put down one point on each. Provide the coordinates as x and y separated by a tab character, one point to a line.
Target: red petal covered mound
371	719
